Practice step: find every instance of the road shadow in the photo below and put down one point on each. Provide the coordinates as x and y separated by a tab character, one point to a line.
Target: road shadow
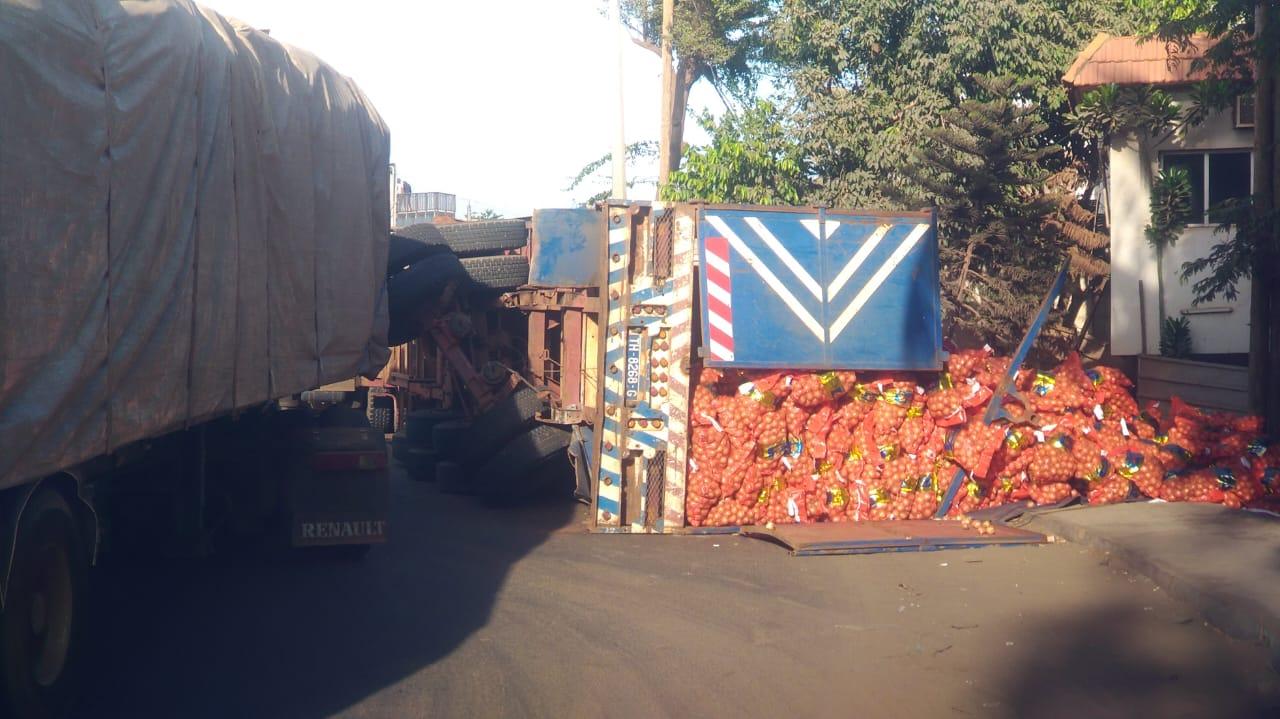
296	636
1107	662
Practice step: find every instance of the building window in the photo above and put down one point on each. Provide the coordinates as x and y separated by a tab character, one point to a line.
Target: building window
1215	177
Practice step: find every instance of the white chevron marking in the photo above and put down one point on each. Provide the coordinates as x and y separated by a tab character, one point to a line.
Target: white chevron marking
877	279
787	258
858	258
815	228
767	275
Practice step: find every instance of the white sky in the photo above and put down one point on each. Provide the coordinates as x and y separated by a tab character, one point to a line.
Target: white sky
500	102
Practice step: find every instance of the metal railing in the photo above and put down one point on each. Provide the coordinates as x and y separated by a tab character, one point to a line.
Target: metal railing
442	202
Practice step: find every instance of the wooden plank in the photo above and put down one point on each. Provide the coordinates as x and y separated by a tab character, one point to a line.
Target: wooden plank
1193	373
896	536
1200	396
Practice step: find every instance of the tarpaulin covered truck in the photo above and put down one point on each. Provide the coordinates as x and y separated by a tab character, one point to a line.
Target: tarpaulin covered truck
193	233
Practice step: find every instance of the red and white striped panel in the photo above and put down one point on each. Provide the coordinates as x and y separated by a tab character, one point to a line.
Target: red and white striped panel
719	300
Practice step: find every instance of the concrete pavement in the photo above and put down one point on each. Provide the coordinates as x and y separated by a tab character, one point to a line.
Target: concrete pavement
1223	562
472	612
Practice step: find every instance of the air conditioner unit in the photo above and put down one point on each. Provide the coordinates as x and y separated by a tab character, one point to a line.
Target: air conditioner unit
1244	110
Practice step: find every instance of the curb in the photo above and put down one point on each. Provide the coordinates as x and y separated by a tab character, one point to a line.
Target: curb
1237	617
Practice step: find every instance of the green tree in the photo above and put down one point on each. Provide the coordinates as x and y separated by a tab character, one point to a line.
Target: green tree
485	214
750	159
595	177
983	168
1170	206
715	40
870	77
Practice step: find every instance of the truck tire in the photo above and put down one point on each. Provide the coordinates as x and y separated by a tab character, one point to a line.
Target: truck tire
448	438
507	477
400	449
405	251
503	272
43	627
488	237
411	292
425	232
509	417
383	419
452	479
471	239
421	464
418	425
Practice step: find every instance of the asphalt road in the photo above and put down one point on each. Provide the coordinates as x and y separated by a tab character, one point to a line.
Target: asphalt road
472	612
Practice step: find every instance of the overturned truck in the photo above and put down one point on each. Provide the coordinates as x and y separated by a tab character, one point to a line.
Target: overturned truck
193	235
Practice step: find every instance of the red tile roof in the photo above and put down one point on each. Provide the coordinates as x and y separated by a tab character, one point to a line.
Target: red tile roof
1133	61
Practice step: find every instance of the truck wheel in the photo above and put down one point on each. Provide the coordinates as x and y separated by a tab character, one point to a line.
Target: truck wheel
508	475
488	237
449	438
503	421
418	425
411	292
451	479
400	449
469	239
42	629
382	419
404	251
503	272
421	464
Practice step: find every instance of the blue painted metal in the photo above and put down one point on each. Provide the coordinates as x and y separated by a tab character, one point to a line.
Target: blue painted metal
996	410
566	248
824	290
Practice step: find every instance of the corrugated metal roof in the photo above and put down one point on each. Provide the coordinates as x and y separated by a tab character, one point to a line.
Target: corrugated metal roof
1129	60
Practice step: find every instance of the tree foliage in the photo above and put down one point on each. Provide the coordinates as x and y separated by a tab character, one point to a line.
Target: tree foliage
717	40
750	160
983	169
593	175
871	77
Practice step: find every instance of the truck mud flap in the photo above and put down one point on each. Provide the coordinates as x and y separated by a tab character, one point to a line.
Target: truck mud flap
920	535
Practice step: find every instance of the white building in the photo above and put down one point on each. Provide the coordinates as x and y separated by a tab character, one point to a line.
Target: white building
1218	159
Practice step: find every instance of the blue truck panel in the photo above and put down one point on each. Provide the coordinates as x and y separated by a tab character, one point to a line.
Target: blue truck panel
566	247
819	290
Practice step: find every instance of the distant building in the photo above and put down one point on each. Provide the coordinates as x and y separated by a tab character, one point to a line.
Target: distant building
1217	155
415	208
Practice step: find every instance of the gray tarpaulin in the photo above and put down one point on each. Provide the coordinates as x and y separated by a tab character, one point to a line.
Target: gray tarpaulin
193	219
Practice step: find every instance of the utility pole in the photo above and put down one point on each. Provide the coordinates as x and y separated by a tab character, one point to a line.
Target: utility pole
665	148
1262	359
620	142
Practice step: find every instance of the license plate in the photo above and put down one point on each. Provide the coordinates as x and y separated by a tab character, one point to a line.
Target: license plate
635	345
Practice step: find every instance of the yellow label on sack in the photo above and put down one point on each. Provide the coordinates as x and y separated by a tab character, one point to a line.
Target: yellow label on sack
831	383
838	497
915	411
1043	383
767	399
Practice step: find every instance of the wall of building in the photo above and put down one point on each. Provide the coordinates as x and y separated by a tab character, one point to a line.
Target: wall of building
1134	163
